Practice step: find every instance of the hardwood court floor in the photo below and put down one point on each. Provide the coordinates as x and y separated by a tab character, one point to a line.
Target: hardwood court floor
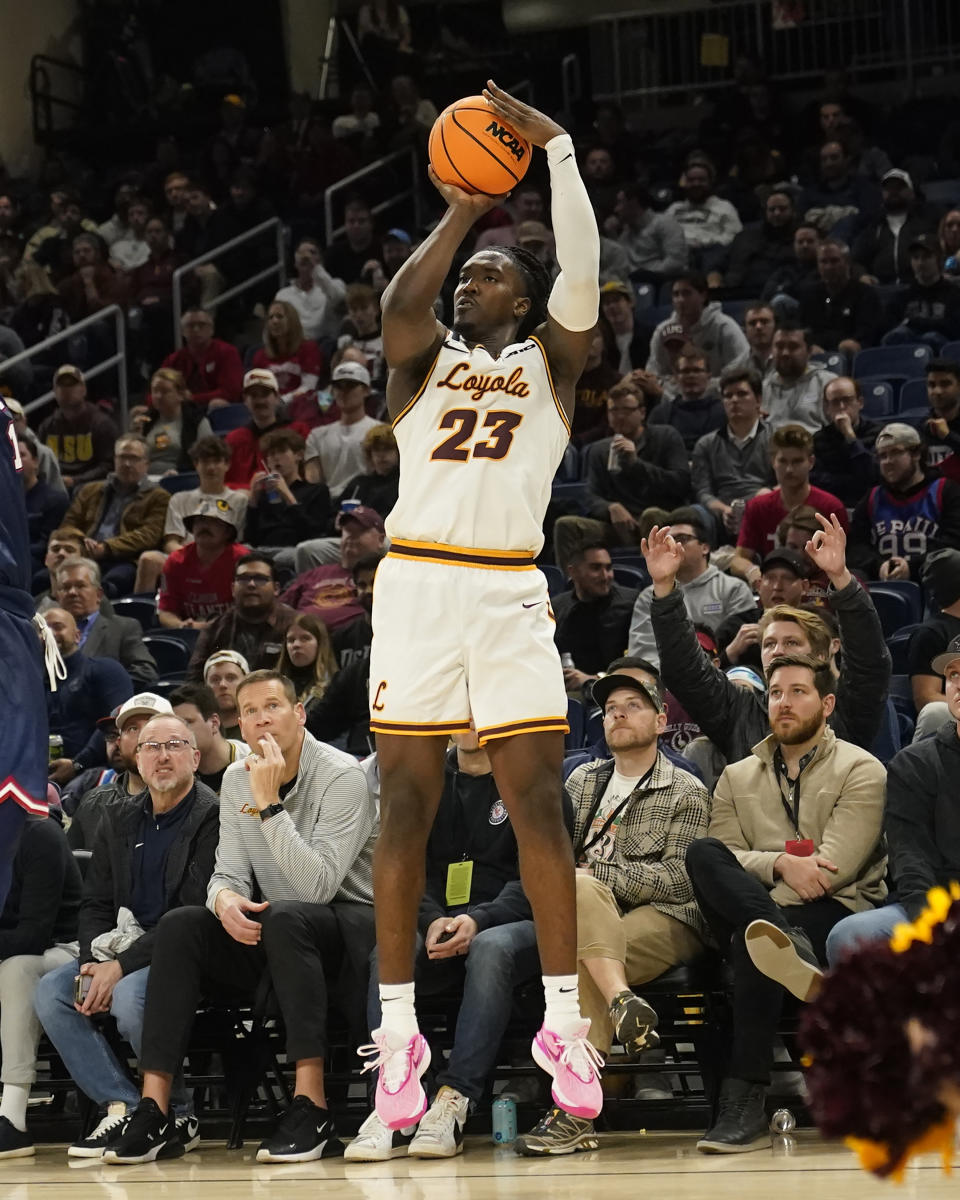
663	1165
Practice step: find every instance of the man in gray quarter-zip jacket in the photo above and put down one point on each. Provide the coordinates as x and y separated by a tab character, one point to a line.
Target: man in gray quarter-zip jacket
291	895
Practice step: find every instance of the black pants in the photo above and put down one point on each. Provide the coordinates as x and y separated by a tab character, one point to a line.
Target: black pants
730	899
302	946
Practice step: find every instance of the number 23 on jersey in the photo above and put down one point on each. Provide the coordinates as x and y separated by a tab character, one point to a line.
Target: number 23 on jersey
463	421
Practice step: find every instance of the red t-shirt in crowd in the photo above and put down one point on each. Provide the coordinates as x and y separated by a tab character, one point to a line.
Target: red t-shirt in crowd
763	514
197	591
328	592
290	370
216	373
244	443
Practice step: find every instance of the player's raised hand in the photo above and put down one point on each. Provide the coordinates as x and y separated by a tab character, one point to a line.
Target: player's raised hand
529	122
475	203
663	556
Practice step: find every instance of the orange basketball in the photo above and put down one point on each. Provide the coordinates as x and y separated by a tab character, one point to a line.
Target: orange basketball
473	149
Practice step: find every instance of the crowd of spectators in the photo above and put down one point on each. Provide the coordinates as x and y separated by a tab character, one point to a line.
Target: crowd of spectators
738	492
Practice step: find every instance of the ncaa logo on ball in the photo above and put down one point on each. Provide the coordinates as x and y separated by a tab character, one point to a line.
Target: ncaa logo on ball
506	137
498	814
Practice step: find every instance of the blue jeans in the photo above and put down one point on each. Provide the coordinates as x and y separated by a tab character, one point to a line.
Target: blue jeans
499	960
860	928
903	335
85	1051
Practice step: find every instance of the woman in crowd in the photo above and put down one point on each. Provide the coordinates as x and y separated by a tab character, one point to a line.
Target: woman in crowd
307	658
295	360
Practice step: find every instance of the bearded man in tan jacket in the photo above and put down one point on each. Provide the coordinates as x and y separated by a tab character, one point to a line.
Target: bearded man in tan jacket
794	845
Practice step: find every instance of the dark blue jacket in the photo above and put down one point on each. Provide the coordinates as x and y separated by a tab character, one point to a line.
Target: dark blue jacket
93	689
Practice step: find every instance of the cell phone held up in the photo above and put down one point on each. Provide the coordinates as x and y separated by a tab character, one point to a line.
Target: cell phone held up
81	986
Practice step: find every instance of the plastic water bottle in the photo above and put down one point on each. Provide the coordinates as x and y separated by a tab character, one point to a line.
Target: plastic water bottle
783	1121
504	1120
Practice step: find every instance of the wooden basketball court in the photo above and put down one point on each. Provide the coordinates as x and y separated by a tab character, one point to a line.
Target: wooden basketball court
627	1166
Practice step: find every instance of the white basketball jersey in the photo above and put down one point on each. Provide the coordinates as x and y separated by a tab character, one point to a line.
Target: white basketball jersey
480	443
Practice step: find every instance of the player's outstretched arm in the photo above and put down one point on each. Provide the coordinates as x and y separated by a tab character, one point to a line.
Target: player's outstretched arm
410	327
575	299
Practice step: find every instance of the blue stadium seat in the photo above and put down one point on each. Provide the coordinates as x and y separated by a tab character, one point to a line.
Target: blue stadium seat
572	494
878	398
899	646
901	693
569	469
892	362
630	576
834	360
736	309
655	314
913	416
593	727
646	296
913	395
574	739
893	608
222	420
556	583
628	555
951	350
169	653
141	608
184	482
573	759
910	591
888	739
944	193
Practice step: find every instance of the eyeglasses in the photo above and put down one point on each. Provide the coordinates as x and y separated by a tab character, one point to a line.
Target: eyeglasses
691	370
173	746
682	539
623	408
259	580
130	457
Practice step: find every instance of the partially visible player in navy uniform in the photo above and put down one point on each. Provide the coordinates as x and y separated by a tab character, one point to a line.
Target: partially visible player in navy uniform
23	709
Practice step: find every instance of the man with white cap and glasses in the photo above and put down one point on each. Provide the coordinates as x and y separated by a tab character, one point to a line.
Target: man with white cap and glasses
908	514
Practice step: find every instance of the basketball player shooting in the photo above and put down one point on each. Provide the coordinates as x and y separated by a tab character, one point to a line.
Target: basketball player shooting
462	620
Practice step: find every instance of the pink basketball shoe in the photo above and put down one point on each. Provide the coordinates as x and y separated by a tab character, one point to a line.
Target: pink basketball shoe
400	1099
574	1065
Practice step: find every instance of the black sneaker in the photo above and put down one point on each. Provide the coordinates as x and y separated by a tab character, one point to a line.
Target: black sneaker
304	1133
633	1020
557	1132
149	1134
13	1143
188	1131
741	1123
108	1129
786	956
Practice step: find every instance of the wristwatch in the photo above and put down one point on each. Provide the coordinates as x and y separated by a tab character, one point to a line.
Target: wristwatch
270	811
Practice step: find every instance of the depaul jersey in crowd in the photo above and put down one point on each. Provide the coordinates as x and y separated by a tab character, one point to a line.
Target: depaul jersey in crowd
903	527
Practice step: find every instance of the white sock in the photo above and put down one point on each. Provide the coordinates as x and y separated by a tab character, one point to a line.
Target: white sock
13	1105
398	1013
561	994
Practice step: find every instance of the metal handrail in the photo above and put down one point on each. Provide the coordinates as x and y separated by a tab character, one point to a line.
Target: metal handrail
119	359
571	81
350	180
278	269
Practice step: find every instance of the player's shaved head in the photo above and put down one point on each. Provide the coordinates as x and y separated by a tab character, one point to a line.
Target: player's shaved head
64	629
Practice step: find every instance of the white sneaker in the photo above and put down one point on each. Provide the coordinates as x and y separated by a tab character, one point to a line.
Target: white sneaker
441	1129
93	1145
376	1143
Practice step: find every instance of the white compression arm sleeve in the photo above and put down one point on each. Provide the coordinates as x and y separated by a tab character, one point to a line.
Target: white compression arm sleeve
575	299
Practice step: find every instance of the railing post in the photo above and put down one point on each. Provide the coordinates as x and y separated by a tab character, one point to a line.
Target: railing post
122	395
417	185
908	47
177	312
281	255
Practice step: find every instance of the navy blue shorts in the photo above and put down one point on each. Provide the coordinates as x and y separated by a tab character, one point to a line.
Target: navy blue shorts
24	746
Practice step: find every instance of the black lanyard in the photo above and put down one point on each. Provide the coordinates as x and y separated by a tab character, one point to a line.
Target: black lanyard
793	815
611	817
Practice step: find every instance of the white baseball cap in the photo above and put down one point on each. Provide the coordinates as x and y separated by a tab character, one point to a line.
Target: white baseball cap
222	656
351	372
143	704
261	377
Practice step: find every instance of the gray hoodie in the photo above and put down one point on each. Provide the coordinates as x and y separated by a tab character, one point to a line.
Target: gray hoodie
719	337
796	401
709	599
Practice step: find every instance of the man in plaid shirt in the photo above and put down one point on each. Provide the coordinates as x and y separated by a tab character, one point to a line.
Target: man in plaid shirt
635	816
